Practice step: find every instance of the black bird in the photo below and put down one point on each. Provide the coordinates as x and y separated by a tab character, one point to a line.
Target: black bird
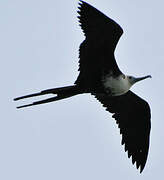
100	76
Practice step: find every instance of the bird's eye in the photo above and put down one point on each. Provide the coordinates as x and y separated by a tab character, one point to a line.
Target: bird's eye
130	77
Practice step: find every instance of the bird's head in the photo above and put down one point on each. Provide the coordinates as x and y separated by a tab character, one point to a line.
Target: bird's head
132	80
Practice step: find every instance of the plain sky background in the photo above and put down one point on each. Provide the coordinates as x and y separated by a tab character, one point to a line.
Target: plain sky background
74	139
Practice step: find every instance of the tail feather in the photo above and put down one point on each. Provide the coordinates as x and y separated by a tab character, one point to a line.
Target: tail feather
61	93
71	89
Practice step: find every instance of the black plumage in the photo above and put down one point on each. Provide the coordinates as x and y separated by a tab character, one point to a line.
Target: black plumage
97	61
132	114
97	50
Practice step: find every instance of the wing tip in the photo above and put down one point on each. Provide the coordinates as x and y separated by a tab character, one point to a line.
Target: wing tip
138	160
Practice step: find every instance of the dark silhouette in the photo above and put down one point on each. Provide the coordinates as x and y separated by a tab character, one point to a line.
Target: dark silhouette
100	76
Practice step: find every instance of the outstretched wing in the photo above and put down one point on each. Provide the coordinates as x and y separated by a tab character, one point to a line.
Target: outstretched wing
132	114
97	50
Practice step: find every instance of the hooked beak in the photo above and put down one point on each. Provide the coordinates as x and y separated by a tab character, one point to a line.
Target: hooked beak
142	78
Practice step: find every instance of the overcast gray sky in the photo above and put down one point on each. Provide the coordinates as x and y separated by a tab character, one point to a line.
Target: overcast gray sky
74	139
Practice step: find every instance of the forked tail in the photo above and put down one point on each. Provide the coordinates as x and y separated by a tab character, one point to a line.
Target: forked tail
61	93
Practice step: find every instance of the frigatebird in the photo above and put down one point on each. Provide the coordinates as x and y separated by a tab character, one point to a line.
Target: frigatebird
100	76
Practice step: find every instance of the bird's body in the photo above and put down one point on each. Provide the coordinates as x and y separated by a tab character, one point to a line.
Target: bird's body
100	76
116	86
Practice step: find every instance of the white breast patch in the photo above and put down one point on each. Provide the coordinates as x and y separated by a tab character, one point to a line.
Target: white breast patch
116	85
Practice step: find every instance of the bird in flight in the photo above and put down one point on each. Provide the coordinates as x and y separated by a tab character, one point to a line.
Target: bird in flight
100	76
